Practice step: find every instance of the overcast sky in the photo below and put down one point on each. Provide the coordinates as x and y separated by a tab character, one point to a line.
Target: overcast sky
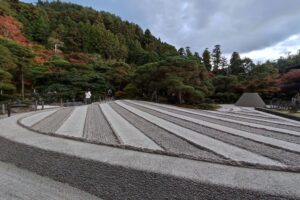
260	29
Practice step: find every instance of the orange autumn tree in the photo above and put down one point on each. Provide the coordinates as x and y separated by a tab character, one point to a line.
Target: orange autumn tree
263	79
290	81
11	28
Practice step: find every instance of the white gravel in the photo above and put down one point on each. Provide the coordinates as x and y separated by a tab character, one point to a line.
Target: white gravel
286	157
255	125
252	119
51	123
97	128
236	126
169	141
255	137
190	132
74	125
221	148
36	117
20	184
128	133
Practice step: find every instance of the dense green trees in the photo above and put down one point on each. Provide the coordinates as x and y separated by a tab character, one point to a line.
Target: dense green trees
174	80
283	63
16	60
86	30
5	8
7	65
98	51
226	88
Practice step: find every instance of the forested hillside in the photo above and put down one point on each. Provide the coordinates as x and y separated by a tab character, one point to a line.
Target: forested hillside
62	49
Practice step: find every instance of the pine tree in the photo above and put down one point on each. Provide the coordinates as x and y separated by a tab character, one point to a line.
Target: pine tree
216	58
188	52
207	59
197	56
236	66
182	52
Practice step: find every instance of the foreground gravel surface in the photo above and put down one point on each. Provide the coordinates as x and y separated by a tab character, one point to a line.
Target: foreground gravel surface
20	184
283	156
51	123
97	128
114	173
264	132
168	141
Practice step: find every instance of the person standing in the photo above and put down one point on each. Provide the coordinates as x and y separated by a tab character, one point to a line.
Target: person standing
88	96
109	94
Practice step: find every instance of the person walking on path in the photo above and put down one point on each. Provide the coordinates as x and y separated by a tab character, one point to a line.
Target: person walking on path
88	96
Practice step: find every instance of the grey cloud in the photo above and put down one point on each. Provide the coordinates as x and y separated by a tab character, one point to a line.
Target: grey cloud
237	25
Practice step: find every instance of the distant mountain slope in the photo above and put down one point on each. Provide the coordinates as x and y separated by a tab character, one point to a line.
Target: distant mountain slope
82	29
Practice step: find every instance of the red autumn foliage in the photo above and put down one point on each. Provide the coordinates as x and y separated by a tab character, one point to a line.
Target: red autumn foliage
210	74
291	76
40	59
78	58
45	55
267	85
11	28
50	53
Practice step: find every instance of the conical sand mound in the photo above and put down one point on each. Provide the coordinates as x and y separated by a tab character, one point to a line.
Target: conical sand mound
250	100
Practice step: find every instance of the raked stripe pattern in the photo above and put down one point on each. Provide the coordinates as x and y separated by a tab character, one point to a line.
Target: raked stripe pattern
258	138
129	134
74	125
108	123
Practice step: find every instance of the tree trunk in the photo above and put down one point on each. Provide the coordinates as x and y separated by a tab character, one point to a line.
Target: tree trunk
180	97
22	83
3	109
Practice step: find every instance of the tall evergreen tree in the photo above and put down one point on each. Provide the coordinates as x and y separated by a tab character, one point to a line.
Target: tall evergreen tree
197	56
236	66
207	59
224	63
181	51
188	52
216	58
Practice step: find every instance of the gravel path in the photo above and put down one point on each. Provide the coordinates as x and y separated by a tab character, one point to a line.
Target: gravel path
229	151
74	125
256	115
3	116
36	117
20	184
259	131
247	135
271	119
224	119
281	124
168	141
129	134
286	157
51	123
97	128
